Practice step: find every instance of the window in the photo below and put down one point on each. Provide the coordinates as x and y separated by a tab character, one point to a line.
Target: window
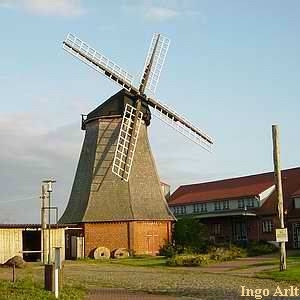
216	229
182	210
249	202
225	204
297	202
241	203
221	205
217	205
179	210
199	208
267	226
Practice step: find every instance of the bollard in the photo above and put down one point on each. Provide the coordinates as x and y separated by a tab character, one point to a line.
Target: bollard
49	277
57	273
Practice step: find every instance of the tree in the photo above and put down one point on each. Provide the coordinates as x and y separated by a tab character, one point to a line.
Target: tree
190	233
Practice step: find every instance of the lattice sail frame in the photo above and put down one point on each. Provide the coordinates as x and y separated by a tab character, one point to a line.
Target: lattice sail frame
122	164
97	61
123	158
180	124
158	62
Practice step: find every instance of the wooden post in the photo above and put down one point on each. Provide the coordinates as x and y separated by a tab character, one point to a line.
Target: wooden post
14	273
277	174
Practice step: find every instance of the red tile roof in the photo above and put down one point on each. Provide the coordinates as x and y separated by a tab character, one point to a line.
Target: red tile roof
239	187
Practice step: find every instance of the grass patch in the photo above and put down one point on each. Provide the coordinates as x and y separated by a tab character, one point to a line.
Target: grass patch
142	261
29	288
136	261
292	274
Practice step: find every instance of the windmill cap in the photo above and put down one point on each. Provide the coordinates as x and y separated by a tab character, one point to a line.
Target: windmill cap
115	106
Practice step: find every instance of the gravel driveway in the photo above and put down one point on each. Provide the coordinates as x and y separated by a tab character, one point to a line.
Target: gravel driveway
189	283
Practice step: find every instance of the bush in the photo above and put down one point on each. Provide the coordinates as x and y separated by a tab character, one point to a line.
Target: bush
214	254
219	254
168	250
189	260
260	248
190	235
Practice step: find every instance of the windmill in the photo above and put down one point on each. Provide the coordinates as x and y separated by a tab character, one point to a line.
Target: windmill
116	167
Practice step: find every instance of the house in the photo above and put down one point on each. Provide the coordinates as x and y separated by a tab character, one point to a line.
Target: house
243	208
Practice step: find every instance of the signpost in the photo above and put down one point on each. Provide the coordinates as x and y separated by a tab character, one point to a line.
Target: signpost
277	174
281	235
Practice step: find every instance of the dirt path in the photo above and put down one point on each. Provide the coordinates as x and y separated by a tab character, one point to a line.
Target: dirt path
243	266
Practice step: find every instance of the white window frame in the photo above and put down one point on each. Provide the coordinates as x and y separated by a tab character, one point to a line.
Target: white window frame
267	226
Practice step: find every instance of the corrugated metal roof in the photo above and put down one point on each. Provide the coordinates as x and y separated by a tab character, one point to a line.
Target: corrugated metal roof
30	226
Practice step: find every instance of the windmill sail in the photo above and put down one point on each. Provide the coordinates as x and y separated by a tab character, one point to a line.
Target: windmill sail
97	61
180	124
132	117
127	140
159	54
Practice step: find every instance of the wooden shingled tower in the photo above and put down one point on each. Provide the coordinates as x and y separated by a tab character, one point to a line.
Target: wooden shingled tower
116	196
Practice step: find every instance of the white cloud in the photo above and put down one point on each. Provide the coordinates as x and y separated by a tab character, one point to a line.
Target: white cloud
160	13
30	153
6	3
65	8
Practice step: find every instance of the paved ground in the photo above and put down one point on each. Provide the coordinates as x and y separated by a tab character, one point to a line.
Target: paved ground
245	267
121	294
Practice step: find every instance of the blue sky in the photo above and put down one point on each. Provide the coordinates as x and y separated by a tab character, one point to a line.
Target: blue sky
233	68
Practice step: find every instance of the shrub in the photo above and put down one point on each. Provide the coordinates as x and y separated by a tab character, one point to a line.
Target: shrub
167	250
219	254
189	260
260	248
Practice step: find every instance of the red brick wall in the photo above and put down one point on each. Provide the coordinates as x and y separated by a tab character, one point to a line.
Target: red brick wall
150	236
141	237
253	228
111	235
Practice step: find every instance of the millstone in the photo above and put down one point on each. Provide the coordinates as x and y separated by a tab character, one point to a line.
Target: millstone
121	253
102	253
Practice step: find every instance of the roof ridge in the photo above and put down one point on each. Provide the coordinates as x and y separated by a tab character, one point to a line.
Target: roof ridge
237	177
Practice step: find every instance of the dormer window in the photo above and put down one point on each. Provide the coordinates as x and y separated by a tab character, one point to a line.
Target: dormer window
179	210
249	202
221	205
199	207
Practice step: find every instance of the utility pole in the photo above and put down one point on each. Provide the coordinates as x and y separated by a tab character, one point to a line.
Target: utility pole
278	183
49	190
44	222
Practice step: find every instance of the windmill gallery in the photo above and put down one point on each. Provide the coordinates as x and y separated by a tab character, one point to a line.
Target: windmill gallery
116	198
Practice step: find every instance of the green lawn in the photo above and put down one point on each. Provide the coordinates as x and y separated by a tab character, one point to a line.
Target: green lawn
292	273
30	288
137	261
